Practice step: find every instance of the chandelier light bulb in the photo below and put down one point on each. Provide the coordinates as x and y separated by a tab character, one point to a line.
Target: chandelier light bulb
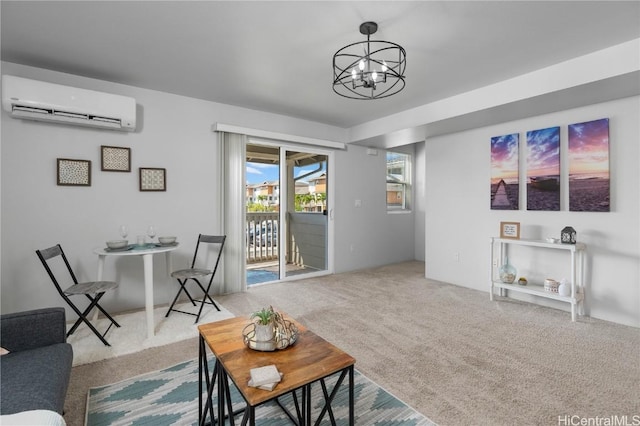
384	66
353	74
361	65
374	76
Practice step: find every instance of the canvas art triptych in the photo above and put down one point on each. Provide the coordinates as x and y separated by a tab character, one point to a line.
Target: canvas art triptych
588	163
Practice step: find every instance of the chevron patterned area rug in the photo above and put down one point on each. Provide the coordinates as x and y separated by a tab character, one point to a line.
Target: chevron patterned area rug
170	397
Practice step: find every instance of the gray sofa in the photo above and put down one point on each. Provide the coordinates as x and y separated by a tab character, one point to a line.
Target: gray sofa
34	375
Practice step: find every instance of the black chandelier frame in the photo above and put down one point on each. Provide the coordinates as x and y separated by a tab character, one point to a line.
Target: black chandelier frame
363	86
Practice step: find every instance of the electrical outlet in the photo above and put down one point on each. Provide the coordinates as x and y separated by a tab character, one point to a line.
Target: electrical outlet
495	263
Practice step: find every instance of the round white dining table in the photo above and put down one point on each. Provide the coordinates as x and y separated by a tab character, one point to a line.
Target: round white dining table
147	252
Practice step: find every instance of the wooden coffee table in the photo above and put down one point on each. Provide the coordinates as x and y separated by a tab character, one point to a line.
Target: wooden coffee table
311	359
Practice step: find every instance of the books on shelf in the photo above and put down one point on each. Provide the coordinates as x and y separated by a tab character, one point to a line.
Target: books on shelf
266	377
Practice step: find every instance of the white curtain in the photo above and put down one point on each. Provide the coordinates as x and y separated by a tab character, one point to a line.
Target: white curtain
232	201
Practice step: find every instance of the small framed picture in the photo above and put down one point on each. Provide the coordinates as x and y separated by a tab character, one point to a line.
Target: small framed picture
115	159
153	179
510	230
72	172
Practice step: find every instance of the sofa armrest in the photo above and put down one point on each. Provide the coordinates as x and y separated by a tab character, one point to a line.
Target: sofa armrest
32	329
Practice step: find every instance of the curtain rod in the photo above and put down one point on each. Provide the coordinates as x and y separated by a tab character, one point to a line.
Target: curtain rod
221	127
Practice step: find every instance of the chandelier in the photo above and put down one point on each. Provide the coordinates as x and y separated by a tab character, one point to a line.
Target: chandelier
369	69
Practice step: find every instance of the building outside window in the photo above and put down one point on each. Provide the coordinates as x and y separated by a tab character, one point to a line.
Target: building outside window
398	181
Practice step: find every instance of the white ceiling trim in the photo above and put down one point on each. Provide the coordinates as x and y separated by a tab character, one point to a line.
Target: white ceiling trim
606	64
229	128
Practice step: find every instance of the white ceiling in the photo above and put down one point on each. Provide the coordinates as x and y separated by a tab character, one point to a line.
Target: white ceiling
276	56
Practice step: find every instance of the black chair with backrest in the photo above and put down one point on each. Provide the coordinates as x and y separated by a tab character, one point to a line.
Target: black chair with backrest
93	290
214	242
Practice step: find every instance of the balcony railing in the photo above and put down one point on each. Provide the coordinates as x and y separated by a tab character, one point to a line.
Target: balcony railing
262	237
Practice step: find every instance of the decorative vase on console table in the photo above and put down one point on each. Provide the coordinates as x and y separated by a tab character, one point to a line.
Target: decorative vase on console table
508	272
564	289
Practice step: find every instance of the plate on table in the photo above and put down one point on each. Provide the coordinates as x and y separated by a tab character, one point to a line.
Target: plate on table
125	248
147	246
175	243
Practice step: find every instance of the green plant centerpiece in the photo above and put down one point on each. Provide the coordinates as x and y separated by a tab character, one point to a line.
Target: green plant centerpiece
269	331
264	316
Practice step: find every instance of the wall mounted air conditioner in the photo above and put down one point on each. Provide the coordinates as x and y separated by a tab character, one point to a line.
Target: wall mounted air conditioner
42	101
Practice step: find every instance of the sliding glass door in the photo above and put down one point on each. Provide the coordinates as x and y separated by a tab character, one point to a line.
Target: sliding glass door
306	213
287	226
263	213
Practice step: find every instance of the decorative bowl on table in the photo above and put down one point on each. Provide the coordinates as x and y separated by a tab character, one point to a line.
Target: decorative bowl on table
269	332
166	240
117	244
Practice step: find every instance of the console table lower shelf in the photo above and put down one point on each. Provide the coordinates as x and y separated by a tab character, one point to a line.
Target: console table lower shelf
576	270
538	290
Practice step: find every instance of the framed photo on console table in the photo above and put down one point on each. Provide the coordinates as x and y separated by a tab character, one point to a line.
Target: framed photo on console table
153	179
510	230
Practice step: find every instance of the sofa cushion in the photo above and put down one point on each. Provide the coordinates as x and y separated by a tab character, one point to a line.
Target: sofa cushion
35	379
32	329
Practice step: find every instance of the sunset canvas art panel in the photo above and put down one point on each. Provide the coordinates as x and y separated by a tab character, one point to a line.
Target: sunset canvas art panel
589	187
543	169
505	189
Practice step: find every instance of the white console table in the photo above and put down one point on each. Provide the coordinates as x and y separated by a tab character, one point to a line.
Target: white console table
537	289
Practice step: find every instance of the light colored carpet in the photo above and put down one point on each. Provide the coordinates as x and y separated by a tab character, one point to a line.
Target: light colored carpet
445	350
131	336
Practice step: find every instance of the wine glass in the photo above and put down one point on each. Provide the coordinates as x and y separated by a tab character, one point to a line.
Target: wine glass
124	231
151	232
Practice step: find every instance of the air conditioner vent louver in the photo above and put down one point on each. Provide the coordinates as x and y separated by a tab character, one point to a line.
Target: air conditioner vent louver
41	101
19	109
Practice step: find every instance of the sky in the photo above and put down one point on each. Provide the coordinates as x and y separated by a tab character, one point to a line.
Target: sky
259	172
589	147
504	158
543	152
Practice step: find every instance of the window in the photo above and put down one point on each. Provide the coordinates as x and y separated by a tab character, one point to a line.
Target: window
398	181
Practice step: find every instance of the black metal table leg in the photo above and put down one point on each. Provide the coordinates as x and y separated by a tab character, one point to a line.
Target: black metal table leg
210	381
201	368
352	410
329	397
307	404
221	391
227	392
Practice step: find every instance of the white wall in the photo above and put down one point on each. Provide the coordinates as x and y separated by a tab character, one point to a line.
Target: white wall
174	132
459	219
419	200
368	236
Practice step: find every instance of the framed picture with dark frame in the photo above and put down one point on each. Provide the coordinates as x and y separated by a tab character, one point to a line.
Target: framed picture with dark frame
115	159
153	179
510	230
72	172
